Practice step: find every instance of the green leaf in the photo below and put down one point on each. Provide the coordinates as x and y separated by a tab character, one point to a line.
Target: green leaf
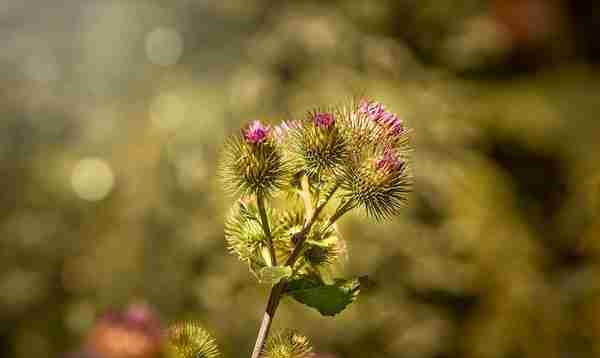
329	300
273	274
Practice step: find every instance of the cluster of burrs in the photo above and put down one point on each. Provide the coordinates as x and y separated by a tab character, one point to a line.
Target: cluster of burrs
294	181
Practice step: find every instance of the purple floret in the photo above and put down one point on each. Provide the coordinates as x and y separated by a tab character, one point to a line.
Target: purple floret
256	133
324	119
392	121
389	161
374	110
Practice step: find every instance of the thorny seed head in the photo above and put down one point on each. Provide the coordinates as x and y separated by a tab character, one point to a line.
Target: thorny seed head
287	344
318	146
190	340
253	163
379	183
363	146
323	246
321	256
243	232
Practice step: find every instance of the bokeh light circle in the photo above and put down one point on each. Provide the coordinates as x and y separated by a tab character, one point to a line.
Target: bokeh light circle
92	179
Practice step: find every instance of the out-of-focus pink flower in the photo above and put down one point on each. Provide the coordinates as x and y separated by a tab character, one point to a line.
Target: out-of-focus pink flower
133	333
257	133
324	119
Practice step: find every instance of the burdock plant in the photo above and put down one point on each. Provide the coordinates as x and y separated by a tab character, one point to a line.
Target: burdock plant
293	181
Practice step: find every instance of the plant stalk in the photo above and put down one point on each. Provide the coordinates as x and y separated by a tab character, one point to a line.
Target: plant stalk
265	326
278	290
260	202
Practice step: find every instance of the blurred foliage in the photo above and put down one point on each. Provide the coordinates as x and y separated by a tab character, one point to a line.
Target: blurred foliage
113	114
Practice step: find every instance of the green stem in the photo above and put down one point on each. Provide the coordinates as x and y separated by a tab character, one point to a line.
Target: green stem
278	290
302	235
265	326
260	201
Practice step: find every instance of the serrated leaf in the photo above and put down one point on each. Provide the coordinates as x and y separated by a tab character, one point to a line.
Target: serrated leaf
329	300
273	274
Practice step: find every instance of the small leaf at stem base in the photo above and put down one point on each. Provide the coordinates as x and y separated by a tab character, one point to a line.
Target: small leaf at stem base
329	300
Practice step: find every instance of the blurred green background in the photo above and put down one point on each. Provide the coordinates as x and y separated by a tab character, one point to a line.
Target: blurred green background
113	114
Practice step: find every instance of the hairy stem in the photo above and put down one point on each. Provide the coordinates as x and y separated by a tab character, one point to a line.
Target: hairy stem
278	290
260	201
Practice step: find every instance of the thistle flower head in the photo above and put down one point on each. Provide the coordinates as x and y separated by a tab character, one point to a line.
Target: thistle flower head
257	133
253	163
190	340
318	146
390	126
287	344
244	234
379	182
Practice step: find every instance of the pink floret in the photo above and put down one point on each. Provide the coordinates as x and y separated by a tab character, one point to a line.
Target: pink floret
257	133
374	110
324	120
389	161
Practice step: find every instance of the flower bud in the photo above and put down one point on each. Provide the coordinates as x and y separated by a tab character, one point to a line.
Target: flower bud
191	340
324	120
256	133
379	183
253	163
287	344
318	146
